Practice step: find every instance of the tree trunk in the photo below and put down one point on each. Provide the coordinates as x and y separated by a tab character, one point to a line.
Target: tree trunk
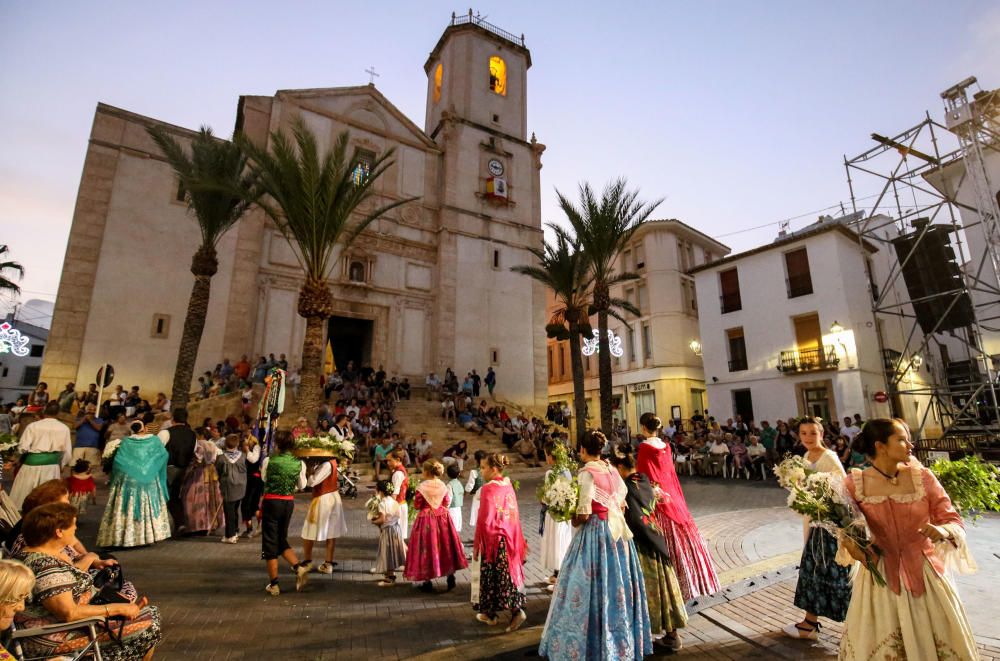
579	399
604	371
310	390
203	265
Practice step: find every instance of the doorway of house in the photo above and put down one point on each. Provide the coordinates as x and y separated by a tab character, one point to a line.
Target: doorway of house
817	403
350	339
743	404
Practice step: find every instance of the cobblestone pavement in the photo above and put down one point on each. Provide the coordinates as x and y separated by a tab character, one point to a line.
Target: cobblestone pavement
214	607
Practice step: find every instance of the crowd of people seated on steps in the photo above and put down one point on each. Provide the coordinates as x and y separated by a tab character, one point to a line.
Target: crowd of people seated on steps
741	448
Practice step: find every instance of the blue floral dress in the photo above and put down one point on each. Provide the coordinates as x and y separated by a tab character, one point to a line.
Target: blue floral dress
599	609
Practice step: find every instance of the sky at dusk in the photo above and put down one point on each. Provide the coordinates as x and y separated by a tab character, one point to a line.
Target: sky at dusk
737	114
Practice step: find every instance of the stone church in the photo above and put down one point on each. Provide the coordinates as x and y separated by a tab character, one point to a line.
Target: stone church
425	288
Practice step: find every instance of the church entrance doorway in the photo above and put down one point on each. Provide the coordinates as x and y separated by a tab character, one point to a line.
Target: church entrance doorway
350	339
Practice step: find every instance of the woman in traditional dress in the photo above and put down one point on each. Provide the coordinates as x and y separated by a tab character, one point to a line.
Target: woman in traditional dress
599	607
136	513
824	585
665	600
688	552
918	614
62	593
500	547
556	535
435	549
325	520
200	492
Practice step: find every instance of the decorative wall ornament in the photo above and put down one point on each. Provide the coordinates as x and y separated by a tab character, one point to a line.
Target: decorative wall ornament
592	345
12	341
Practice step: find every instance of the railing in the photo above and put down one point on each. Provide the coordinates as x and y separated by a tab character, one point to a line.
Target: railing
469	19
738	365
805	360
731	302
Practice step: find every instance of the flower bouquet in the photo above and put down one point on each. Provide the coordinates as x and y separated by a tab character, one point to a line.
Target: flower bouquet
108	458
324	446
411	491
371	508
560	490
8	447
823	498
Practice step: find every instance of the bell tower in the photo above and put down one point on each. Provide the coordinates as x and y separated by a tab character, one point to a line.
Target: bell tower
479	73
490	219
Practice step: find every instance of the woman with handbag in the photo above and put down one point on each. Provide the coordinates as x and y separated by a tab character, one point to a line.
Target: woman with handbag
63	593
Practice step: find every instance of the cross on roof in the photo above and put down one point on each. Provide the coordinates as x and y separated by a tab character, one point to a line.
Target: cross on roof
371	75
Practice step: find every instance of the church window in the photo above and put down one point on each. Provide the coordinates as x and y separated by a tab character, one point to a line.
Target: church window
363	160
496	259
161	326
498	75
496	119
438	74
494	357
356	272
180	195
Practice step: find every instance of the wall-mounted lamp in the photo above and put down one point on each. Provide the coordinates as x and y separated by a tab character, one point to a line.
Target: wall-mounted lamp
836	328
695	347
917	360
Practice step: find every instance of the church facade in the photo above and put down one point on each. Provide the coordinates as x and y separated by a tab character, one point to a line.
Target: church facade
427	287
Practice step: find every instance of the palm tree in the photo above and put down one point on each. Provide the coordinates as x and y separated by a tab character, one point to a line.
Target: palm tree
317	202
219	189
603	228
7	284
563	268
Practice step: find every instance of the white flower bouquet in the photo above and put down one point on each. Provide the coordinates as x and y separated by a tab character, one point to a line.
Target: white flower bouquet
108	458
560	495
8	447
824	499
324	446
371	508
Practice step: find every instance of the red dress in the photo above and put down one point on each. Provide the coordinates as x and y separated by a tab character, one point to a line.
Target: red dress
688	552
435	549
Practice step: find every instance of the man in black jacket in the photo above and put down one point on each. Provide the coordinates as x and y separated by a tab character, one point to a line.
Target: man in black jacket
180	448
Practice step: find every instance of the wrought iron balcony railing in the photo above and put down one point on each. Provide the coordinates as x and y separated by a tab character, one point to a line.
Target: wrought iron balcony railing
806	360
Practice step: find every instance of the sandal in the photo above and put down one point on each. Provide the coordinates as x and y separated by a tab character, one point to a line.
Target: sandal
808	631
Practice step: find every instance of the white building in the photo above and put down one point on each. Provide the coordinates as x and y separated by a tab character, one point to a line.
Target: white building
22	346
787	329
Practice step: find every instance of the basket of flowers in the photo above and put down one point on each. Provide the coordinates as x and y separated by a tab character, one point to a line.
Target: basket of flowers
323	446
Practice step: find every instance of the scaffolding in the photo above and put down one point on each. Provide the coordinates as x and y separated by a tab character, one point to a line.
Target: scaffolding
892	198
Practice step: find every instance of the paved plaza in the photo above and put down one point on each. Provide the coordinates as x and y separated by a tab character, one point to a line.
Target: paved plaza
214	607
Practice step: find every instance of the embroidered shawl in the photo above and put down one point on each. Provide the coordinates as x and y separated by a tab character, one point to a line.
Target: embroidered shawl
499	519
433	491
140	469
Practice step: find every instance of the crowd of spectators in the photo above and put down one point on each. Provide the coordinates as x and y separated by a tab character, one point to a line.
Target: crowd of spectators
738	447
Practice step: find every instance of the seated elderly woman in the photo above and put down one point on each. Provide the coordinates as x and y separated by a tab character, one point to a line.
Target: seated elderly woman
16	582
63	593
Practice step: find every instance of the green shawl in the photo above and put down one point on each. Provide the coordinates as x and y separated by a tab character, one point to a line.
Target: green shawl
140	469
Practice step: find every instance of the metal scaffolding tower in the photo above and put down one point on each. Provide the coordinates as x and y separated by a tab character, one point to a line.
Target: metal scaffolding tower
902	193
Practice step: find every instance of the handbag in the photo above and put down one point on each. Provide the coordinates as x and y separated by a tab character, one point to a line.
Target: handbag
109	582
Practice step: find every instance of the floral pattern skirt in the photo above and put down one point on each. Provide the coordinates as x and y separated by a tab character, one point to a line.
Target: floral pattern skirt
884	625
497	591
663	593
824	587
121	528
434	549
599	607
137	635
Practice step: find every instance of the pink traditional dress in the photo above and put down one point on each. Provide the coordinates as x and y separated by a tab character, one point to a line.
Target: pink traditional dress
435	549
918	615
499	544
690	556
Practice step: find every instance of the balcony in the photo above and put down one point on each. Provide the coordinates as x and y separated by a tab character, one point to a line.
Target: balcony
808	360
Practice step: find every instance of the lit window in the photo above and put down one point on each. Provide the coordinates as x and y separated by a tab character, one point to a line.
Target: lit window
438	73
362	166
498	75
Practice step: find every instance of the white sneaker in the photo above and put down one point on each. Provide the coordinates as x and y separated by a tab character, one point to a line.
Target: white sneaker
325	568
517	621
301	577
374	570
231	540
273	590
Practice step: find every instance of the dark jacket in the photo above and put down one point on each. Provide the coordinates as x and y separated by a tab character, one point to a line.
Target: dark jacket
180	446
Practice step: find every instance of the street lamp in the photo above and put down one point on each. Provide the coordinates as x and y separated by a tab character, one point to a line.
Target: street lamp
695	347
836	328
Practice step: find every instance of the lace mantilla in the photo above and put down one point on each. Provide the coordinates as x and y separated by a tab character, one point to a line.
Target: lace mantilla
916	475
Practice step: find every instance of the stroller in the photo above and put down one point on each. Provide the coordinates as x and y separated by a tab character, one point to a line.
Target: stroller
349	483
